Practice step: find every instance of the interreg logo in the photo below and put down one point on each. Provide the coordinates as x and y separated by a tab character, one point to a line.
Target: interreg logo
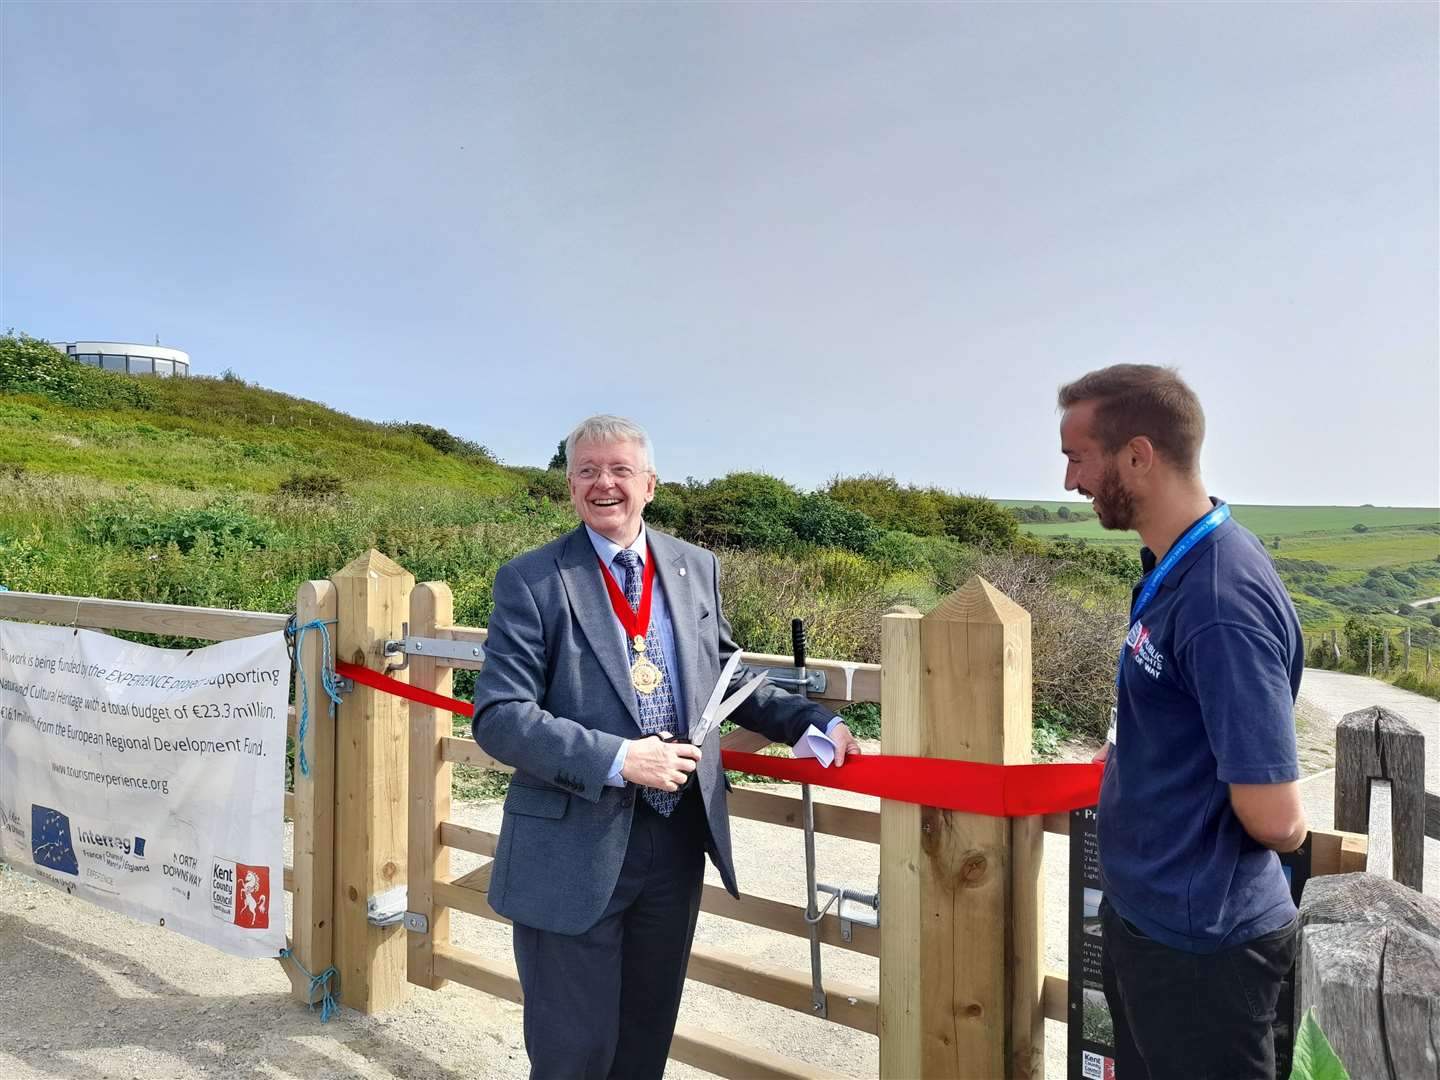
1149	658
125	845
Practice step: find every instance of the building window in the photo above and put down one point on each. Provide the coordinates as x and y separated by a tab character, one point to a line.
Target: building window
111	362
164	367
142	365
93	359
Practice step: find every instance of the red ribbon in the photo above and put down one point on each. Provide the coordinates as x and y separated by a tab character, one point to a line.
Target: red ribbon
637	622
968	786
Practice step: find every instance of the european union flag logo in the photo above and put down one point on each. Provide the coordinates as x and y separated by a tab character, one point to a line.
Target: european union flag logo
50	840
139	848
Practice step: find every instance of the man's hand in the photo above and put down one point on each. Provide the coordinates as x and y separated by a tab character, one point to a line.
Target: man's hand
844	743
1102	754
652	763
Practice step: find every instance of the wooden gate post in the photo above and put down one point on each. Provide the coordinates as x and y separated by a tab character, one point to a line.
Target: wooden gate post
1376	744
372	600
961	931
314	798
432	604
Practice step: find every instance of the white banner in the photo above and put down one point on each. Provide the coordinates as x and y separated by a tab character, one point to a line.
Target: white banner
149	781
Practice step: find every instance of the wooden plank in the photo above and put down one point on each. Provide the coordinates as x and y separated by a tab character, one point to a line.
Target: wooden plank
288	874
852	1006
900	854
292	721
787	919
466	838
314	798
723	1056
211	624
1376	744
1025	947
1058	823
468	752
1057	997
457	897
373	599
431	605
705	1050
1432	813
1380	859
847	821
1334	852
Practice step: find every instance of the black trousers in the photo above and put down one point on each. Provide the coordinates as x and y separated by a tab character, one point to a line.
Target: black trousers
1183	1015
603	1004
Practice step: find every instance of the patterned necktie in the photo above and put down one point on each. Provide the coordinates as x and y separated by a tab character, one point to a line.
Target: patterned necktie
657	708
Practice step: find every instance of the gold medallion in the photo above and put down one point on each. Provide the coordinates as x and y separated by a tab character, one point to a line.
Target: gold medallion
639	643
644	675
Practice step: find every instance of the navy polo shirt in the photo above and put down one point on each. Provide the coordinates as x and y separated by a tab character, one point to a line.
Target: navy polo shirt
1206	699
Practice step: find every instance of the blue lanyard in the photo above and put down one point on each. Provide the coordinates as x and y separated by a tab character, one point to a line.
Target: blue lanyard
1197	532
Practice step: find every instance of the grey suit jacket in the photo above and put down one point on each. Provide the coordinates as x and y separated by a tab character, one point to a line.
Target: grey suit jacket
554	700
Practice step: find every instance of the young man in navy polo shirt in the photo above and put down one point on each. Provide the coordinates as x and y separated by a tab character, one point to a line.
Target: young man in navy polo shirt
1200	782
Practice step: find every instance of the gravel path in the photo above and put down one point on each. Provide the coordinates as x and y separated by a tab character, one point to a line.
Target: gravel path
86	993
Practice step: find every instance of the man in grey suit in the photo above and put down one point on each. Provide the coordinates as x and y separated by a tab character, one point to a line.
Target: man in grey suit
603	643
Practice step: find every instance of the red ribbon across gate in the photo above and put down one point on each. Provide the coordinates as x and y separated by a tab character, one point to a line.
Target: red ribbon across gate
968	786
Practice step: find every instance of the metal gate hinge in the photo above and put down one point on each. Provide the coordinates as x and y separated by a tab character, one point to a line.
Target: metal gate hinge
417	923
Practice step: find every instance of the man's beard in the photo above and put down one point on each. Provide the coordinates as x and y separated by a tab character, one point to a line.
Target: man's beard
1114	506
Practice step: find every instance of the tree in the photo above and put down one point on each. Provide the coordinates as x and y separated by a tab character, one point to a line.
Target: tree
557	460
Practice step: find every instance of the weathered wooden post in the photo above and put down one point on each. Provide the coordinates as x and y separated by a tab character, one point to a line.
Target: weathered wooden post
1385	650
431	605
1375	744
372	600
1369	965
960	976
1407	648
1335	645
312	940
1369	654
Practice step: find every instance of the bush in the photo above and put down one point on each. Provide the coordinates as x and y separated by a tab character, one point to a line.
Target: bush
1358	528
667	510
888	505
139	525
545	484
316	485
743	510
31	366
974	519
822	521
446	443
1364	641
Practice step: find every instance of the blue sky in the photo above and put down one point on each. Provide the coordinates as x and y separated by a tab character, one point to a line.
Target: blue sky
808	239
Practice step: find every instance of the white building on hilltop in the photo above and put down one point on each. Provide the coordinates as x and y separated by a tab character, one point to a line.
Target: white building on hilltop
127	358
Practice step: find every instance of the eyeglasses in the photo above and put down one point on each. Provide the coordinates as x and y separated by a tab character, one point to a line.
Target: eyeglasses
619	473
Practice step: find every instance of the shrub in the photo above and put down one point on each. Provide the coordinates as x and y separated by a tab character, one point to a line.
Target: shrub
445	442
667	510
822	521
31	366
545	484
1358	528
316	485
743	510
974	519
136	524
1363	641
889	505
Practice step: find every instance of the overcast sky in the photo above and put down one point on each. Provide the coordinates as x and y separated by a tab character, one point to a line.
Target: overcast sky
808	239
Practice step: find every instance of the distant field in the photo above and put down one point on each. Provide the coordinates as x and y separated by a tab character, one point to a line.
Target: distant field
1334	523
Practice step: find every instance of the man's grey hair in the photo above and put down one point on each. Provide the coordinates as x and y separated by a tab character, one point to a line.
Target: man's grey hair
605	428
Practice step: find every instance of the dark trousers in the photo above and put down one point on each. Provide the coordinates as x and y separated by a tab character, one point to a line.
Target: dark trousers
1180	1014
603	1003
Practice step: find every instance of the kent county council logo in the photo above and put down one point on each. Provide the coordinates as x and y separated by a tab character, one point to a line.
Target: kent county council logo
50	840
240	894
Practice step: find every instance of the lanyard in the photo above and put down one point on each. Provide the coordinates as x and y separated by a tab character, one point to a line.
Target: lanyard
636	623
1197	532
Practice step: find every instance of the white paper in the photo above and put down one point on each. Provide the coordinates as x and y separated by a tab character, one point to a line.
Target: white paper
149	781
815	744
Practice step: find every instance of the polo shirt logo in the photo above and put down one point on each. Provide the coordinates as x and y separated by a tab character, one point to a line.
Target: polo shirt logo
1150	659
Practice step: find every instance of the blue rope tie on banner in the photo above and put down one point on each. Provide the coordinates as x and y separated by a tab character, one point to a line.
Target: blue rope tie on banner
327	681
321	982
